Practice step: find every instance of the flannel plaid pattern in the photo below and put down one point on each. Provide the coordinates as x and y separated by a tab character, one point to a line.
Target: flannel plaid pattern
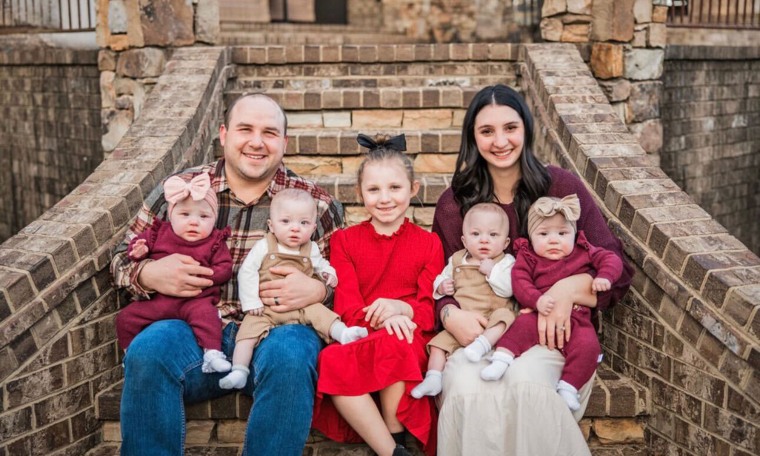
247	222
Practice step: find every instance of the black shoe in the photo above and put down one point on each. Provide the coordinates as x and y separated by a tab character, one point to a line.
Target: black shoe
400	450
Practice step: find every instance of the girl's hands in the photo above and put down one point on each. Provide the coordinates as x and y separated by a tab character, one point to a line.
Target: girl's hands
402	326
463	325
382	309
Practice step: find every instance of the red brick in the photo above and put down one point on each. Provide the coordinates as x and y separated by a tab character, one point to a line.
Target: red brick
663	232
678	250
718	282
699	265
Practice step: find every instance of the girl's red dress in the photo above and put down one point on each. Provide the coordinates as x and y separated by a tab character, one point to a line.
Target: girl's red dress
370	266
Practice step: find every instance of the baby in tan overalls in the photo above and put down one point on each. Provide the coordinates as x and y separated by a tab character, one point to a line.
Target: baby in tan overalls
479	277
292	220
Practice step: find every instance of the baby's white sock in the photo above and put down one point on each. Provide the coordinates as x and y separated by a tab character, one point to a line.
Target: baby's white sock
430	386
570	394
500	361
479	347
215	361
344	334
235	379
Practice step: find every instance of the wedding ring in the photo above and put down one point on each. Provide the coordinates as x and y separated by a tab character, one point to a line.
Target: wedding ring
558	329
276	302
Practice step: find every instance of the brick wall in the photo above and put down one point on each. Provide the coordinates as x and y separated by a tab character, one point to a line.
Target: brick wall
57	304
689	328
50	129
711	120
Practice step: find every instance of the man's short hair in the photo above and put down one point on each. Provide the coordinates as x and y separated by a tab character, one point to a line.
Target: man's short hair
231	107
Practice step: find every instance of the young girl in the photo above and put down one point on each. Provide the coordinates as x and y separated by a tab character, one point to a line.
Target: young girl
386	267
555	252
190	231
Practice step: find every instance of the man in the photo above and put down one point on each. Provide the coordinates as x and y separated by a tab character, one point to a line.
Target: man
163	364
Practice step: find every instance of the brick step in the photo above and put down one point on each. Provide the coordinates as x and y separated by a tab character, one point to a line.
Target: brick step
613	422
231	25
236	38
342	140
365	81
417	54
447	70
369	98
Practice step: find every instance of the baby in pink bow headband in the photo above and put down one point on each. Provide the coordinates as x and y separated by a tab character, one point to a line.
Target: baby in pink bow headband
190	231
556	250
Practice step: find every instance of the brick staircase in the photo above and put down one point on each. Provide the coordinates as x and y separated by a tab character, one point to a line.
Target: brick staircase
331	93
240	33
612	423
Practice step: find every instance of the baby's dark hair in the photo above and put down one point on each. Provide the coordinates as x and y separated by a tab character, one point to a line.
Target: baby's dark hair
384	147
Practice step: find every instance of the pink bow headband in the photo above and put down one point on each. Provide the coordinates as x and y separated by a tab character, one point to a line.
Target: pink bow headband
198	188
546	206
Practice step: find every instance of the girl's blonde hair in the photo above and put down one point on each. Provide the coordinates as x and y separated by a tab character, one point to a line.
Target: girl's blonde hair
381	148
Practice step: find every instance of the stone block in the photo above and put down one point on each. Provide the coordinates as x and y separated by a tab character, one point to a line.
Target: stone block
642	64
639	37
307	166
644	101
141	63
231	431
649	135
617	89
167	22
427	119
117	17
618	431
376	119
112	431
660	14
551	29
106	60
304	119
642	11
199	432
575	33
579	7
435	163
657	35
607	60
336	119
207	21
553	7
613	20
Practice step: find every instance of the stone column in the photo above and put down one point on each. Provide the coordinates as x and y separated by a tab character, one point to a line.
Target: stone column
627	40
136	38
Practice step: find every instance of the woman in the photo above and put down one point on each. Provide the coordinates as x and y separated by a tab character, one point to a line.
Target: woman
521	414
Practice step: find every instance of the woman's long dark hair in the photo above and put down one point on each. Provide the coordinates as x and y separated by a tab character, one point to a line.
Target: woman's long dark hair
472	183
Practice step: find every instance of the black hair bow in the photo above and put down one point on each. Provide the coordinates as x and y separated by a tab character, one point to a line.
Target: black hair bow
395	143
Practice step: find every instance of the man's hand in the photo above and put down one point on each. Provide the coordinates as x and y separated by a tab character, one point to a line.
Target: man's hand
295	291
257	312
465	326
446	288
175	275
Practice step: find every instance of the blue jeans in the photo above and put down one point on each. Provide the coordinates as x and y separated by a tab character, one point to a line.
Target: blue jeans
162	371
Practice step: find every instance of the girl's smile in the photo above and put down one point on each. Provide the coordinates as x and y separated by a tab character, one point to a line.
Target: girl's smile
387	192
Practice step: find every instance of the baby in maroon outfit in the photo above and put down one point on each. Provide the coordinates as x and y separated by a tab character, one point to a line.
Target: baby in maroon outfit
192	214
555	251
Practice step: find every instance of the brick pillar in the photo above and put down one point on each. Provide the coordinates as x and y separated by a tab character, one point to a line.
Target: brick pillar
135	38
627	40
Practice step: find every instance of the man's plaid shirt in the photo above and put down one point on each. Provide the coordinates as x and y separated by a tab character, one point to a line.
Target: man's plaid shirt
247	222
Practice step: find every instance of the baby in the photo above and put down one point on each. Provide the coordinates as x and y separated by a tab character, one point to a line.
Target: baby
292	221
192	213
555	252
479	277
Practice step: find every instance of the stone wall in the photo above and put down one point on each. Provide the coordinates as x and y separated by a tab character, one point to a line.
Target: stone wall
57	304
50	129
711	121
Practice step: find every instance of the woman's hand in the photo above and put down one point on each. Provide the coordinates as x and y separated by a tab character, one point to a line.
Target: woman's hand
402	326
383	308
295	291
465	326
554	329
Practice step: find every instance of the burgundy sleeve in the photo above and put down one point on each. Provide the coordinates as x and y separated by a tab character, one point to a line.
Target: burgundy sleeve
447	224
597	232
